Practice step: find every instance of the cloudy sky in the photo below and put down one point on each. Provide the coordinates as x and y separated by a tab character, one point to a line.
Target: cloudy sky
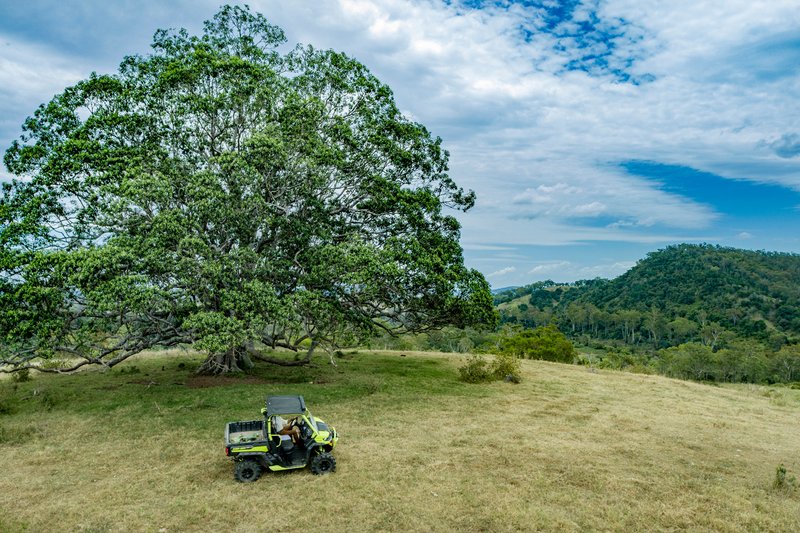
592	131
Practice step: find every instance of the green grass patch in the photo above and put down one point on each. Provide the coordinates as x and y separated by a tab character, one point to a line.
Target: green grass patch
140	448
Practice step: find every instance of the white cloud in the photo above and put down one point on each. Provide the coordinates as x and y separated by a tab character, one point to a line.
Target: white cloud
545	194
31	74
502	272
590	209
484	247
608	271
28	69
546	268
563	270
537	143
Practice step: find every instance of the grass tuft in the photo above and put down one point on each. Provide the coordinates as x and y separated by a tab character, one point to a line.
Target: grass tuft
783	480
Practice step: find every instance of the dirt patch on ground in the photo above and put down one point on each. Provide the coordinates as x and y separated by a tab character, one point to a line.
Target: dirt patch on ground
146	382
204	382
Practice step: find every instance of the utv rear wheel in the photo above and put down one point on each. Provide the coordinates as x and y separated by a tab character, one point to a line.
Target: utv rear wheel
323	463
247	471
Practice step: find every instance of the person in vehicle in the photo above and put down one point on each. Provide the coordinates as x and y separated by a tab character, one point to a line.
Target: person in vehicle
282	427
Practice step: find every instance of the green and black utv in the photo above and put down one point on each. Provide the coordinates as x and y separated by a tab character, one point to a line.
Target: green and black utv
256	445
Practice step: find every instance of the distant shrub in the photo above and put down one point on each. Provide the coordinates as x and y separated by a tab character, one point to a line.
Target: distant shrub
584	359
785	366
503	367
544	342
691	360
21	376
619	359
742	361
783	480
641	369
7	405
476	370
506	367
597	344
54	363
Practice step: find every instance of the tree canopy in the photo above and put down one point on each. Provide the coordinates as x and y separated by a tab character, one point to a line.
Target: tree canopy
232	193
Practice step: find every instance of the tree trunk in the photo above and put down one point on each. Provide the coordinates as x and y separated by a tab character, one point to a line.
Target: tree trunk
240	359
233	360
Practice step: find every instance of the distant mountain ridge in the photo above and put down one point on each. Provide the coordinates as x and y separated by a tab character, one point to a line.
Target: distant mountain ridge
752	294
504	289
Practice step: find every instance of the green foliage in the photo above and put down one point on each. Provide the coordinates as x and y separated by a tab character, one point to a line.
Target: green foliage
742	305
622	359
743	362
22	376
46	399
688	361
476	370
447	339
783	480
683	293
53	363
222	193
502	367
506	367
132	369
18	435
545	342
8	404
785	365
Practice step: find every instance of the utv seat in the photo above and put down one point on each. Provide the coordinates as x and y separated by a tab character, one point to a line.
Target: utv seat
286	443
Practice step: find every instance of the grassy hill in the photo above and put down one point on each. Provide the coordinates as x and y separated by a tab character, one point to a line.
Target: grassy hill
683	293
140	448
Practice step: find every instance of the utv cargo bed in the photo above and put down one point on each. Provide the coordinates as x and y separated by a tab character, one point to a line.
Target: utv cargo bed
244	432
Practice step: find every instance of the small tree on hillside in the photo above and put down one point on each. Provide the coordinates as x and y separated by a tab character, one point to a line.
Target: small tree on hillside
688	361
544	342
221	193
786	364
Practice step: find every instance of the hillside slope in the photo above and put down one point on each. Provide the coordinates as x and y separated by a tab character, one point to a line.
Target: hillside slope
750	294
140	449
719	281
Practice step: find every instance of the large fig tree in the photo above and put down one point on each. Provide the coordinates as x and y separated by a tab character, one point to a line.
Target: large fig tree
230	193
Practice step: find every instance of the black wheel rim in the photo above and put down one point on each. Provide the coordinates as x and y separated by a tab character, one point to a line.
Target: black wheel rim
324	465
247	472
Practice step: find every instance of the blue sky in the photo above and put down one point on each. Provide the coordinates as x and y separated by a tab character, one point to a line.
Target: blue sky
592	131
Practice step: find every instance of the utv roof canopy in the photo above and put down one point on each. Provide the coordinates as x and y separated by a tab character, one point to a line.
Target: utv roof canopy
285	405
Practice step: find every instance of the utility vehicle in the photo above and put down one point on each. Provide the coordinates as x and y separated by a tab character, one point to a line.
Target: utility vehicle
256	445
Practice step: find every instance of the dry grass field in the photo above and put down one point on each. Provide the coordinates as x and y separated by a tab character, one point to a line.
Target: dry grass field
568	449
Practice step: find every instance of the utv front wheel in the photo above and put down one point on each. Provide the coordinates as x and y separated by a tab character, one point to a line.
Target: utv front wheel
323	463
247	471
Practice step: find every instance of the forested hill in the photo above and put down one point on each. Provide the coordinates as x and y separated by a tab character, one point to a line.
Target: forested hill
678	294
730	285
